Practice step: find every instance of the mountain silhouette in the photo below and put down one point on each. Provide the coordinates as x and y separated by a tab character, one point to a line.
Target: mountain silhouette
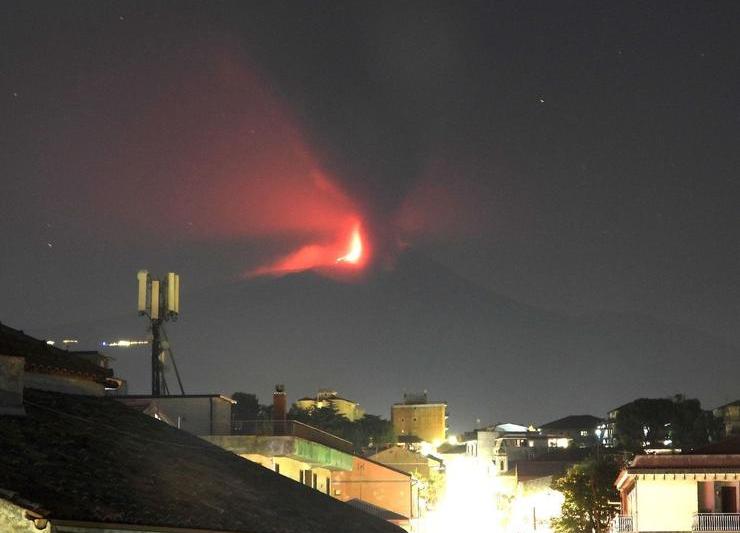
419	326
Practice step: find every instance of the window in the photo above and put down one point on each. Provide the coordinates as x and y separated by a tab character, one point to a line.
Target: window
328	485
277	468
314	481
584	433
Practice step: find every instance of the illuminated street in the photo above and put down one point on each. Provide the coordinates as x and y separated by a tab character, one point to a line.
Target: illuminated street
468	501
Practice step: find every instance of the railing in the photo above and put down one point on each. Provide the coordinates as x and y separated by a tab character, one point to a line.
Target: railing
716	522
291	428
622	524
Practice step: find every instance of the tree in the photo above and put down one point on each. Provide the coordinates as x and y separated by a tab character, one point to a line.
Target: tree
247	407
588	487
692	427
658	422
431	487
370	430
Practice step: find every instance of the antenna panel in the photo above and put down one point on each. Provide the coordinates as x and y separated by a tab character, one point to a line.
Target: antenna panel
143	277
155	300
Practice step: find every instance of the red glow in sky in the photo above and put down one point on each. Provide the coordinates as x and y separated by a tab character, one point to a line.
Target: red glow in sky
202	150
349	251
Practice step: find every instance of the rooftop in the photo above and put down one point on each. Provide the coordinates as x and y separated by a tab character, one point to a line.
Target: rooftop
47	359
731	404
172	396
95	460
729	446
574	422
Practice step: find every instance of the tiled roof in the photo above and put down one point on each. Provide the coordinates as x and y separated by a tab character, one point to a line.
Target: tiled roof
44	358
573	422
96	460
686	462
731	404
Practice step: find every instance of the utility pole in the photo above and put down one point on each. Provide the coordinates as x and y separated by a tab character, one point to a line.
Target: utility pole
159	301
157	366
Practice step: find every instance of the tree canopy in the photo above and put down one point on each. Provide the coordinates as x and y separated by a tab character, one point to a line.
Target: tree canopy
367	432
247	407
664	422
588	488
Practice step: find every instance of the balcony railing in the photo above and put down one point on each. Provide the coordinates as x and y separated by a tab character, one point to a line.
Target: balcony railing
622	524
291	428
716	522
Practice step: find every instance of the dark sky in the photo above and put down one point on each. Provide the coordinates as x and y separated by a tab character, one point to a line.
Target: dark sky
577	157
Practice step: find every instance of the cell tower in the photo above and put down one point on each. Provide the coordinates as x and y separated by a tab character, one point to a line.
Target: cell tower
160	302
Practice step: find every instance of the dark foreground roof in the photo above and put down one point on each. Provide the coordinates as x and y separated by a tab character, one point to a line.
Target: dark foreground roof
573	422
96	460
380	512
44	358
729	446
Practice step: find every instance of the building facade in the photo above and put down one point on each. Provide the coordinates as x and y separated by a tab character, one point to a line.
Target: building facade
730	416
686	492
199	414
417	418
329	398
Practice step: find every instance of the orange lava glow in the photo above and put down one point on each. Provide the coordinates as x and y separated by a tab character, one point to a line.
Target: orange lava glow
332	257
354	253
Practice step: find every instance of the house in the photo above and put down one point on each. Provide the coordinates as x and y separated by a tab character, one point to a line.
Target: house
329	398
199	414
583	431
50	368
419	419
322	461
697	491
730	415
505	445
413	462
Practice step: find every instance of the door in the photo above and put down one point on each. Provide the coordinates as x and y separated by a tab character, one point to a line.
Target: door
729	499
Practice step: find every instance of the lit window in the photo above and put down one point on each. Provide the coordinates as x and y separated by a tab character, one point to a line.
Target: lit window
584	433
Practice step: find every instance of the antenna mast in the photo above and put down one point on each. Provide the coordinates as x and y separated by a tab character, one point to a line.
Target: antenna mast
159	301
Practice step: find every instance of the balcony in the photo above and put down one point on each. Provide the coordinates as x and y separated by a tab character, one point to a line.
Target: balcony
290	428
622	524
716	522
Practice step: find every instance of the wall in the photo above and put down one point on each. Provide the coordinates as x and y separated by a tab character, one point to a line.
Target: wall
706	497
11	385
284	446
406	460
199	415
13	520
63	384
664	505
425	421
350	410
375	484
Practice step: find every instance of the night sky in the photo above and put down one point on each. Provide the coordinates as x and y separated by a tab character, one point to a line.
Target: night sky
547	191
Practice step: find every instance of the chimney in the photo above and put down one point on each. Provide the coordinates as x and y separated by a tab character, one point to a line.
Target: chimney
11	385
279	403
279	410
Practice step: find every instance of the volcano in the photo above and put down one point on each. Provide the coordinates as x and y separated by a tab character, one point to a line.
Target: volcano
420	326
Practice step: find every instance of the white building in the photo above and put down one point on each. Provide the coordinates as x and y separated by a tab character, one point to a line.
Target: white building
689	492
